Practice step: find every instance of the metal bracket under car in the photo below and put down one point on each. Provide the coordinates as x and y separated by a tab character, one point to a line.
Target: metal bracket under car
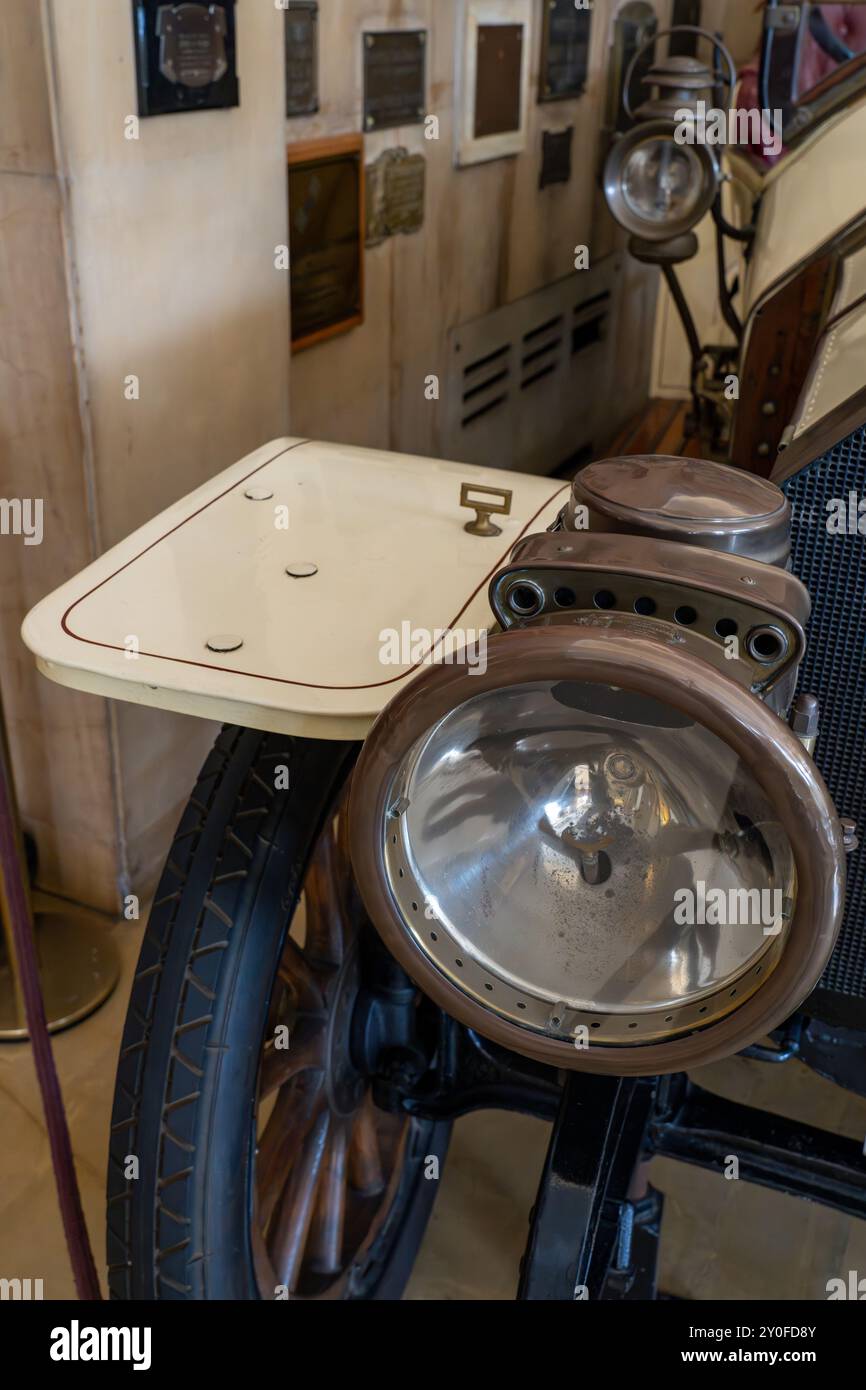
596	1224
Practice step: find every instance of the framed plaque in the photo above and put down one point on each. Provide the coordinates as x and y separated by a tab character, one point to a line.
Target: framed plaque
326	237
493	98
302	57
185	56
556	156
395	78
497	79
564	50
394	194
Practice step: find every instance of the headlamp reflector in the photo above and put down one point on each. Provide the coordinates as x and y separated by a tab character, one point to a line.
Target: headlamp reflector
578	845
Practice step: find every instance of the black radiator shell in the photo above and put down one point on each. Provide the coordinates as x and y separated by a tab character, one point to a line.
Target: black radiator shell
833	568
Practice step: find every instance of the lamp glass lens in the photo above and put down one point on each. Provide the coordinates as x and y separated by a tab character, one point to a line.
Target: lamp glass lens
591	845
661	181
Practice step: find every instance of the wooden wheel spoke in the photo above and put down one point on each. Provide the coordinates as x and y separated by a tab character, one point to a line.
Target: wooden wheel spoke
325	1245
365	1163
306	1052
296	972
292	1220
324	898
282	1141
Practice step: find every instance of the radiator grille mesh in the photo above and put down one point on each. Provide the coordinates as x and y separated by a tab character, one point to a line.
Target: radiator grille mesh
833	568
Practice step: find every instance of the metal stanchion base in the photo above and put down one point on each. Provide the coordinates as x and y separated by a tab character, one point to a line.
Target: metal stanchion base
79	966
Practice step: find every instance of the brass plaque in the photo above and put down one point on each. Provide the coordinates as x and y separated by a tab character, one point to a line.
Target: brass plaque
395	78
556	156
302	57
395	186
564	50
499	68
326	249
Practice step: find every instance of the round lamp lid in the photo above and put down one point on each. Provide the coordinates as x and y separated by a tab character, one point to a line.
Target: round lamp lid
691	500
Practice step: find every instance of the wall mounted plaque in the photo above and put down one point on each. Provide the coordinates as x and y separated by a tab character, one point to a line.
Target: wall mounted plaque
493	79
564	50
302	57
556	156
394	195
497	79
326	229
395	78
185	56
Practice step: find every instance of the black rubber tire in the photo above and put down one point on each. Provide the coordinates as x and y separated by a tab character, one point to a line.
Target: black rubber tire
185	1095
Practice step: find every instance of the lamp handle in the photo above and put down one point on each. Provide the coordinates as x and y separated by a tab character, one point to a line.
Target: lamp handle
731	81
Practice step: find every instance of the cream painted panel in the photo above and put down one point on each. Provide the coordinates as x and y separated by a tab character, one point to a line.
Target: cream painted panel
839	370
387	534
852	285
813	193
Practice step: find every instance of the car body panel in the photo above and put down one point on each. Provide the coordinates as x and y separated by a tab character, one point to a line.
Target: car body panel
803	206
386	532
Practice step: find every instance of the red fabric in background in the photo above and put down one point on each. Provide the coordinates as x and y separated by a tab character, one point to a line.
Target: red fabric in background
848	23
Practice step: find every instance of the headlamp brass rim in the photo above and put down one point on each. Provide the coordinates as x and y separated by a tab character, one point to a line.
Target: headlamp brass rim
623	148
636	663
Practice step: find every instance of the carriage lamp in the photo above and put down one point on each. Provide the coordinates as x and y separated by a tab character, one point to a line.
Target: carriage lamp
610	850
656	187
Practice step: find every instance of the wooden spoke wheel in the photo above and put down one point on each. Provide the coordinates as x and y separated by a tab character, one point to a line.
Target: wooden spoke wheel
328	1161
264	1169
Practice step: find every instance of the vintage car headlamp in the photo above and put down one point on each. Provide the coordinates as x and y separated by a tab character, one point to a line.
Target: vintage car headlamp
656	188
605	850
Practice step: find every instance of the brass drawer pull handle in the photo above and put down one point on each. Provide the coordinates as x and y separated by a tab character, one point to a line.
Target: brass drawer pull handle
482	525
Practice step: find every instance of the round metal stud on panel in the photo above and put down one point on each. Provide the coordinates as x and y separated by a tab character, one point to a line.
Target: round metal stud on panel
302	570
224	642
259	494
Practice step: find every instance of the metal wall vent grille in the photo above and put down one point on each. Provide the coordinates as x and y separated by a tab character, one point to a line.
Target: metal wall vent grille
526	384
833	567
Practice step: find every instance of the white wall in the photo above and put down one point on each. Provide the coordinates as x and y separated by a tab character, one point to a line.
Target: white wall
171	240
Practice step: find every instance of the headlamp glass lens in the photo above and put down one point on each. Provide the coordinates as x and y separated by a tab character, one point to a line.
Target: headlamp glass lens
585	844
661	181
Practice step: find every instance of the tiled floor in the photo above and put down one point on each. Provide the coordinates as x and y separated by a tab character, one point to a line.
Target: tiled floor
721	1239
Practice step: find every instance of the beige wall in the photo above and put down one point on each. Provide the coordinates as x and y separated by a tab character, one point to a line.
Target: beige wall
172	238
152	257
59	740
490	236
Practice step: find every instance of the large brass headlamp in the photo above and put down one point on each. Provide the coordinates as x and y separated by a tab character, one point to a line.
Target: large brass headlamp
609	850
